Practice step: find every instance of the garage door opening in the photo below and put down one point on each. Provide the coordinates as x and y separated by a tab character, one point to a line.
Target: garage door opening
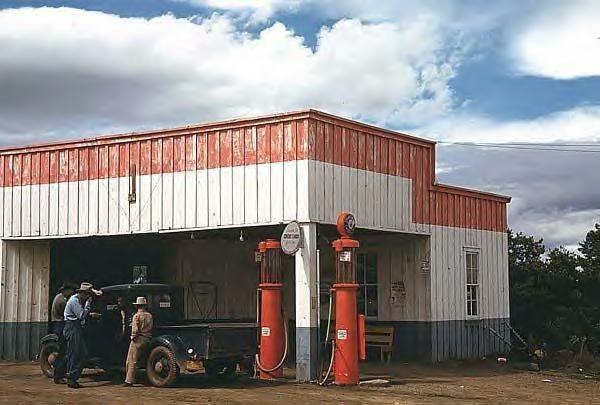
216	269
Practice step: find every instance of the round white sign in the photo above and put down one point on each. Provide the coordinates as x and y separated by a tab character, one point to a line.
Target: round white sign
291	238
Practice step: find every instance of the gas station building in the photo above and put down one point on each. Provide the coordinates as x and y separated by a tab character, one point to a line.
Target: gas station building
189	205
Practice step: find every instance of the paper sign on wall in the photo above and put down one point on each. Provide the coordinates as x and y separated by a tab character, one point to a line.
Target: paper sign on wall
265	331
398	293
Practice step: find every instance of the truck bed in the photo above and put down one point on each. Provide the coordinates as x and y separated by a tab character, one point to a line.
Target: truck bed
215	340
210	325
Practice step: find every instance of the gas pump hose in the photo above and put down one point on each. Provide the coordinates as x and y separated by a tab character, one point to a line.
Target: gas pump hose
285	351
322	382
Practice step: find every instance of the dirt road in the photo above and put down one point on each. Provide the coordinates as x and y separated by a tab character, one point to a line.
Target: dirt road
23	383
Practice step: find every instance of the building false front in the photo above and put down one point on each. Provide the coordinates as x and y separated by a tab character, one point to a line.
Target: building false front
445	287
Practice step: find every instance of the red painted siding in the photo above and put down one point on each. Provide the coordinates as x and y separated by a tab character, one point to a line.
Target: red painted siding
238	147
286	137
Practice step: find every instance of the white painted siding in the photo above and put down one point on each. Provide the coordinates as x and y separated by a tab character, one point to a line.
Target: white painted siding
244	195
377	200
448	274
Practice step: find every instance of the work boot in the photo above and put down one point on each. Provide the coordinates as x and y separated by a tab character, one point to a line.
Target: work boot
73	384
59	380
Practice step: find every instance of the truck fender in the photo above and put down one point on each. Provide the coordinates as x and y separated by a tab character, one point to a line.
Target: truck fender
174	343
51	337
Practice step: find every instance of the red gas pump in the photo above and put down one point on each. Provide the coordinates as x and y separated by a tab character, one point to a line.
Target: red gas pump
349	326
273	330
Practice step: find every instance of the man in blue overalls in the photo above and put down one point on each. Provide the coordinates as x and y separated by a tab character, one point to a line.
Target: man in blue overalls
76	311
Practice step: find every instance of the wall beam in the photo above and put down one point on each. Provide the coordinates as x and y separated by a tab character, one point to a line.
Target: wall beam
307	340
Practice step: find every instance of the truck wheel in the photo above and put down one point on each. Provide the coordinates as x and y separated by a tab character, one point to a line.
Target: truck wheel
161	368
247	366
48	356
220	370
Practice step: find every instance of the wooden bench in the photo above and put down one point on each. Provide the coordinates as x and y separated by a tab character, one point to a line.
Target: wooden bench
383	338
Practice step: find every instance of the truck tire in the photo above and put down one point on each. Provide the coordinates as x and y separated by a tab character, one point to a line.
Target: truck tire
220	370
161	368
48	355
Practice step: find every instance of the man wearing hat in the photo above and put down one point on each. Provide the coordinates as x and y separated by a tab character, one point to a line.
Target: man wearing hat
141	330
76	311
58	322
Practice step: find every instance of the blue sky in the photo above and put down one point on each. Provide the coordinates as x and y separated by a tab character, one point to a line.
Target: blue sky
510	71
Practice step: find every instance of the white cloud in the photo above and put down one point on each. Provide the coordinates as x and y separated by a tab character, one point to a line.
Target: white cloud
256	10
558	227
553	192
560	41
451	13
575	125
67	70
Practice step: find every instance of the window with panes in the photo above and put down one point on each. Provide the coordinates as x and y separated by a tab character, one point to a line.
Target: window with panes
366	277
472	269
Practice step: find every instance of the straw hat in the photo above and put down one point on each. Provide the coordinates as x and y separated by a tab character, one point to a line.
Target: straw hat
140	301
89	288
85	287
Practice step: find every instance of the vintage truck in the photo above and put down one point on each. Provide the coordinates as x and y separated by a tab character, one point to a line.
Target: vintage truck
177	345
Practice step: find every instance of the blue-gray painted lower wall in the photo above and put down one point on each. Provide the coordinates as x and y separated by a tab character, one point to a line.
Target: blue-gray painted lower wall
21	340
307	348
420	341
448	340
469	339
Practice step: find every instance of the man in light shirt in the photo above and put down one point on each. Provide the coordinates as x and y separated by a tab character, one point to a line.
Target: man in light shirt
76	312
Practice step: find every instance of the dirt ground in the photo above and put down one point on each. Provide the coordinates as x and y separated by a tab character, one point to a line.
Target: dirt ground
23	383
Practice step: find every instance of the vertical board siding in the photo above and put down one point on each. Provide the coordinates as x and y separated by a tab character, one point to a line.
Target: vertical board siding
24	297
448	272
375	163
437	300
192	180
246	175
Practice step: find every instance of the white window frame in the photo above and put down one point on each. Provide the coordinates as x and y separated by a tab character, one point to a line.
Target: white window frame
362	284
470	285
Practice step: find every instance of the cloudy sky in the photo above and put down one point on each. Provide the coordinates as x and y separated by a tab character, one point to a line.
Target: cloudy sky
520	71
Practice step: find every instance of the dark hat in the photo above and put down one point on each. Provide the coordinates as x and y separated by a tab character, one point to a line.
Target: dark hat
67	286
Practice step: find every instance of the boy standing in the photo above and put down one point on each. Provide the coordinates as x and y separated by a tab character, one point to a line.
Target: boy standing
141	330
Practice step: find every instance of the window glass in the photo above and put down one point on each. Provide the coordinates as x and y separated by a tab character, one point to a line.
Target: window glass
371	273
371	304
360	269
361	300
472	284
366	277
